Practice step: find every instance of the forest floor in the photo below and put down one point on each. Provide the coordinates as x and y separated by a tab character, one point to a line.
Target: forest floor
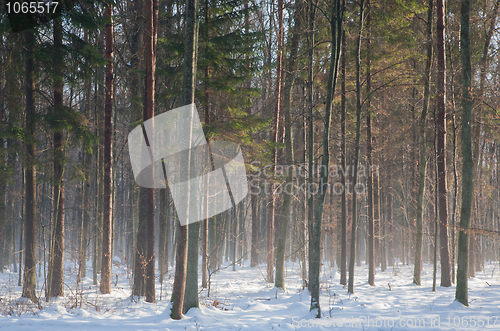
241	300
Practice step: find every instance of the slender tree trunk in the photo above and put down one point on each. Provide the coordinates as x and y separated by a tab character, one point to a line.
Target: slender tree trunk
441	147
107	257
455	177
343	253
179	287
275	133
288	188
352	259
254	254
151	30
310	140
165	217
369	180
390	221
436	206
87	165
315	236
56	263
30	225
423	155
467	189
204	263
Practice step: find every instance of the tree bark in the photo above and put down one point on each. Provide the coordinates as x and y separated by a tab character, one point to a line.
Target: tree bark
107	254
288	188
315	244
369	180
423	155
275	133
151	30
352	259
310	143
343	253
467	170
179	286
441	148
56	268
30	225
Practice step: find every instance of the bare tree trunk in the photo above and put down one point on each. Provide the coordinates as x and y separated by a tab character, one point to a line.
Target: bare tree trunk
56	263
162	240
343	253
310	137
254	259
467	171
179	287
107	257
30	227
441	147
390	227
315	236
370	220
423	152
275	133
152	8
436	206
352	259
288	188
87	165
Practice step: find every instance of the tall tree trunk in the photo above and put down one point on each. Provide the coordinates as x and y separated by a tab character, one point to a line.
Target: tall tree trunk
343	253
55	286
310	136
423	155
149	111
107	257
254	253
369	180
87	165
288	188
164	216
315	236
30	225
441	147
463	255
181	265
205	234
275	133
436	205
352	258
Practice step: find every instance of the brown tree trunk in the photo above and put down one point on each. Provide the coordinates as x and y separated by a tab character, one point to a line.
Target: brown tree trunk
343	253
275	133
288	188
149	105
107	254
254	254
56	268
370	220
390	227
441	148
423	152
30	224
354	239
179	287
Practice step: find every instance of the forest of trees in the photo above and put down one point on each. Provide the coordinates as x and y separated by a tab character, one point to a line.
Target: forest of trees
370	133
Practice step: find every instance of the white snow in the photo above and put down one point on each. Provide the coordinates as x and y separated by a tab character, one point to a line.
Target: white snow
241	300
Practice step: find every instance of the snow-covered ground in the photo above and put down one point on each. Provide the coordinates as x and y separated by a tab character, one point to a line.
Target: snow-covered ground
241	300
